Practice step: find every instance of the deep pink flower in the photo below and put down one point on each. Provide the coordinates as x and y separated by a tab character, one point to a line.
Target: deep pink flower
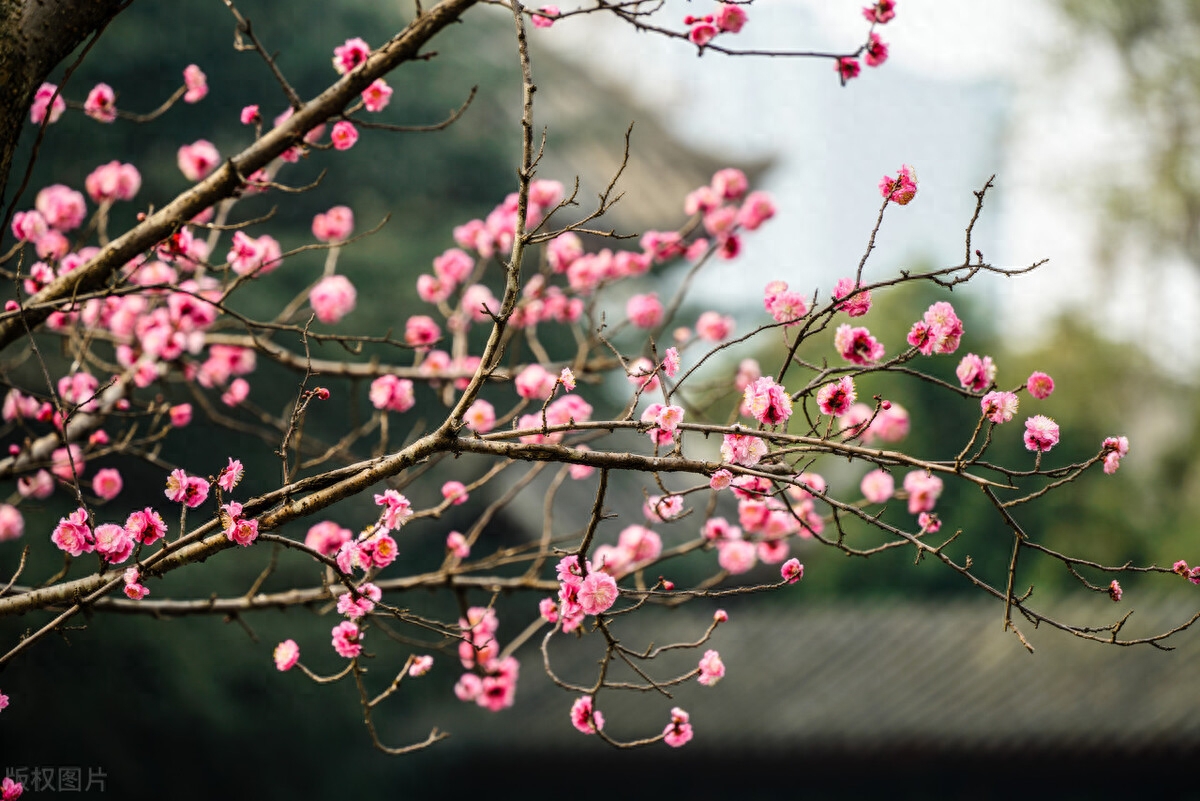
146	526
585	717
544	17
134	590
347	639
327	537
10	789
923	491
113	543
334	225
455	491
332	298
62	207
702	33
113	181
976	373
101	103
180	414
712	669
644	311
349	55
182	488
391	393
597	593
901	189
198	159
1041	433
196	82
1040	385
743	449
12	524
250	115
999	407
929	523
678	731
41	103
881	12
231	475
792	571
836	399
106	484
397	509
377	96
877	51
344	135
856	306
1114	590
1114	449
287	654
420	331
730	18
856	345
768	402
480	417
847	68
756	209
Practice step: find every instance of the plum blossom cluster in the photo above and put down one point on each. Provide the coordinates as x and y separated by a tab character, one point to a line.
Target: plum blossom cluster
490	680
875	51
729	18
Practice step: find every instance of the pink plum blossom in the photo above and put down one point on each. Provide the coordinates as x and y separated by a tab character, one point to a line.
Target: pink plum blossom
792	571
877	51
730	18
348	56
768	402
720	479
250	115
1114	448
1040	385
113	181
332	298
101	103
198	159
714	327
856	345
455	492
881	12
231	475
544	17
757	208
196	82
457	544
1114	590
134	590
421	331
397	508
334	225
62	207
847	68
877	486
999	407
73	534
597	593
679	731
976	373
180	414
480	417
41	103
1041	433
107	483
327	537
347	639
392	393
12	524
645	311
712	669
377	96
585	717
836	399
38	485
344	135
287	654
736	556
113	543
856	306
923	491
189	490
901	189
702	33
743	449
146	526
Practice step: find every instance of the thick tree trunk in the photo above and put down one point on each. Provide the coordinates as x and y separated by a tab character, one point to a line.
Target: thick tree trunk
35	35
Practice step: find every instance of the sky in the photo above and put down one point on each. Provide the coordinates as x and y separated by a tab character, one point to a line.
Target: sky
969	90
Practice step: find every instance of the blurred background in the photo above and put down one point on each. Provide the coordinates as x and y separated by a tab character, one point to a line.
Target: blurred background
876	675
